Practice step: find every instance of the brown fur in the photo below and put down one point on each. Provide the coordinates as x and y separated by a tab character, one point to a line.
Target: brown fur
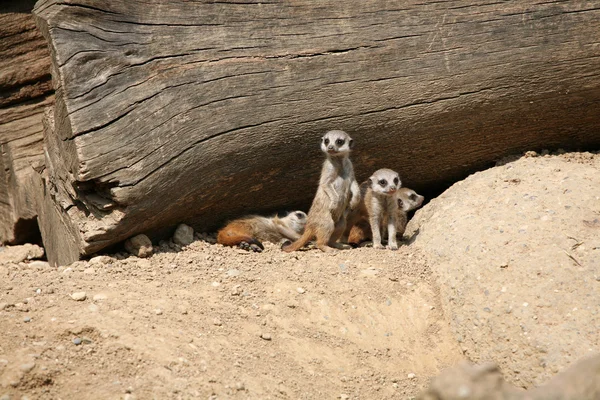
254	229
408	200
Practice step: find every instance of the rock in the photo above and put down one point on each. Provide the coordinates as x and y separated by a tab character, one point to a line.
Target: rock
482	382
17	254
139	245
5	397
3	306
158	311
27	366
265	336
79	296
99	297
411	376
77	341
509	215
100	260
184	235
27	319
217	322
39	264
300	290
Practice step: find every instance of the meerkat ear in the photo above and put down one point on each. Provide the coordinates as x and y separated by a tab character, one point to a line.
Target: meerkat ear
351	143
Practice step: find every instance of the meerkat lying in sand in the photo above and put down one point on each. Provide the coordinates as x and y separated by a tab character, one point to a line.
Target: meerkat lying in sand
249	232
338	192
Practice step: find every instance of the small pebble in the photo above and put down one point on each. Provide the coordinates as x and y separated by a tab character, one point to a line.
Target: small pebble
28	366
300	290
217	322
79	296
39	264
77	341
99	297
344	396
184	235
265	336
240	386
411	376
158	311
27	319
5	397
3	306
139	245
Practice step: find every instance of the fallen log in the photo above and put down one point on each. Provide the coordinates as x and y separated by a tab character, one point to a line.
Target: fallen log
196	112
25	89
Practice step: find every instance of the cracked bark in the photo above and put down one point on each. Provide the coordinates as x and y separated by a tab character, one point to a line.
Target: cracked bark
201	111
25	89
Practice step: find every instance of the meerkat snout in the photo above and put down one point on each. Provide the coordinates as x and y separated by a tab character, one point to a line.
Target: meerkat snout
385	181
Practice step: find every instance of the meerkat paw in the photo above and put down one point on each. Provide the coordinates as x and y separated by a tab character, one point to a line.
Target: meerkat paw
378	246
250	247
392	246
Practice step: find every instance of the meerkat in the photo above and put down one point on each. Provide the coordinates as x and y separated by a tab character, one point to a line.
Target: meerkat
408	200
338	192
249	232
378	208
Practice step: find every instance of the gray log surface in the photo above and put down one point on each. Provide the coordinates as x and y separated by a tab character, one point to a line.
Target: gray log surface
197	111
25	89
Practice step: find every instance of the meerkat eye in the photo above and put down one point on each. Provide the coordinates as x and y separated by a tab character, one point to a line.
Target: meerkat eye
299	215
326	141
396	180
340	142
382	182
412	197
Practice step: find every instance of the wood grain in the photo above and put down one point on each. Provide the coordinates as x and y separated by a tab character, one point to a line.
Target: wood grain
197	111
25	89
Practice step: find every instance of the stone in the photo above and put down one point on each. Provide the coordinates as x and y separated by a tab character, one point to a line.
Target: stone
17	254
184	235
139	245
39	264
79	296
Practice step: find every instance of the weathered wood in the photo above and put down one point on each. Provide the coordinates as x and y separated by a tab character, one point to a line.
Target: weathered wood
195	112
25	89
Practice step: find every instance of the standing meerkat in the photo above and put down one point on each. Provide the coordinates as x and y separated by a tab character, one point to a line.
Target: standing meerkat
248	232
378	208
408	200
337	192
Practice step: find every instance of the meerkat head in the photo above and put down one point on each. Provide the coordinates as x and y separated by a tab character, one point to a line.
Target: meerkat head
295	220
336	143
385	181
408	199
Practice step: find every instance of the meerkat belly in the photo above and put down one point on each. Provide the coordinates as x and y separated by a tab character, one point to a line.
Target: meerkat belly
341	186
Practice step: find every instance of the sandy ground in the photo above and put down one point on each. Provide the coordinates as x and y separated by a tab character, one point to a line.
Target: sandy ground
213	322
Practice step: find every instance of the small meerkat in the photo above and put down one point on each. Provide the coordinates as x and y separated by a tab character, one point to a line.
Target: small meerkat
338	192
408	200
379	207
249	232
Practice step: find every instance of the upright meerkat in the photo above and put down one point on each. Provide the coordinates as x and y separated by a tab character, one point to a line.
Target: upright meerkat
408	200
378	208
248	232
337	192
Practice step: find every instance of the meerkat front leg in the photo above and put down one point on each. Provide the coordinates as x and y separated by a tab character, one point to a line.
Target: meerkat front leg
391	228
355	192
376	229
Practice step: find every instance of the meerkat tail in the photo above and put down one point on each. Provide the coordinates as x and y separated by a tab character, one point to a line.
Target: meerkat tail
228	237
298	244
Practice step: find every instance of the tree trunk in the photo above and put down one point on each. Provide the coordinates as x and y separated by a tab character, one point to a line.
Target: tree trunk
25	89
180	111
